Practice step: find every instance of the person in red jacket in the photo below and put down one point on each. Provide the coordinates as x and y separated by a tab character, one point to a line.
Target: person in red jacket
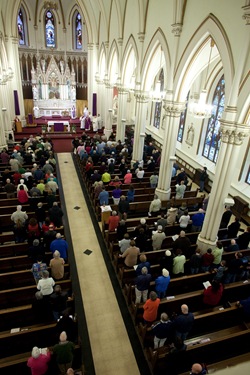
38	362
151	308
212	295
22	195
113	221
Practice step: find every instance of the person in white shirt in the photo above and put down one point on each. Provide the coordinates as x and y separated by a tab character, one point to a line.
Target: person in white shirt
140	173
155	206
124	243
184	220
45	285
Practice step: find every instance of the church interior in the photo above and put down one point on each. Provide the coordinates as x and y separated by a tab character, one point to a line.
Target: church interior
172	73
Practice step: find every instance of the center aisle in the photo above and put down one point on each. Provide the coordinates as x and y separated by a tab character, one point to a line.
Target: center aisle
110	344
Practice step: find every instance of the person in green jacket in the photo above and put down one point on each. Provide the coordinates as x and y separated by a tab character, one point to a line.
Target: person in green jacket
64	353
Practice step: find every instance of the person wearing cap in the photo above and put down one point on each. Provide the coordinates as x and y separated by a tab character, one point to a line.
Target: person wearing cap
161	283
64	353
155	206
142	283
38	362
128	177
158	238
162	331
113	221
197	220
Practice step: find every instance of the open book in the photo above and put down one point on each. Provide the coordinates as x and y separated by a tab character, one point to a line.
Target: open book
206	284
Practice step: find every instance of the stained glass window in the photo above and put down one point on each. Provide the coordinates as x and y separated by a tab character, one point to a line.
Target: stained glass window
182	121
78	31
50	29
212	138
158	105
21	20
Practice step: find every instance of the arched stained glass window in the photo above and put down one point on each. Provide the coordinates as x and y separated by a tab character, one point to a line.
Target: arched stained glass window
50	30
158	104
21	27
182	121
212	138
78	31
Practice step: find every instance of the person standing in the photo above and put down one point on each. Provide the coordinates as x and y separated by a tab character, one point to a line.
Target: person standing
151	308
142	283
203	178
183	323
180	190
130	255
161	283
38	362
57	266
64	353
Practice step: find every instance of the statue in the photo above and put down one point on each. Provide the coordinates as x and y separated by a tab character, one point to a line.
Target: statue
35	93
36	112
115	105
73	94
190	135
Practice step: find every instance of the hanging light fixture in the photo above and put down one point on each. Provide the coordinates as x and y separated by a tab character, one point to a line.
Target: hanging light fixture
200	109
157	95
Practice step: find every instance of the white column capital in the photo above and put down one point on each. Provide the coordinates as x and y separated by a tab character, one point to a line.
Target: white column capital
233	133
173	108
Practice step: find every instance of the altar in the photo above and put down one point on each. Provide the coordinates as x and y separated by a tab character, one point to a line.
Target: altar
58	125
54	89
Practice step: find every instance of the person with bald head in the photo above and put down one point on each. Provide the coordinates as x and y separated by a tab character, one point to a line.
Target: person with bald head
183	323
64	353
197	369
183	243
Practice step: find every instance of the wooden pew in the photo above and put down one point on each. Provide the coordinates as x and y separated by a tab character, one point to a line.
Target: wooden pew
17	279
24	296
232	292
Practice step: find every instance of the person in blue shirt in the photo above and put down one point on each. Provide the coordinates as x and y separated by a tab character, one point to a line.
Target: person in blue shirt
161	283
103	197
197	221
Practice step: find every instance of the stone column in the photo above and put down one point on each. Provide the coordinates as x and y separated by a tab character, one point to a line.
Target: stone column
108	111
170	123
91	74
232	136
16	82
121	114
140	123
